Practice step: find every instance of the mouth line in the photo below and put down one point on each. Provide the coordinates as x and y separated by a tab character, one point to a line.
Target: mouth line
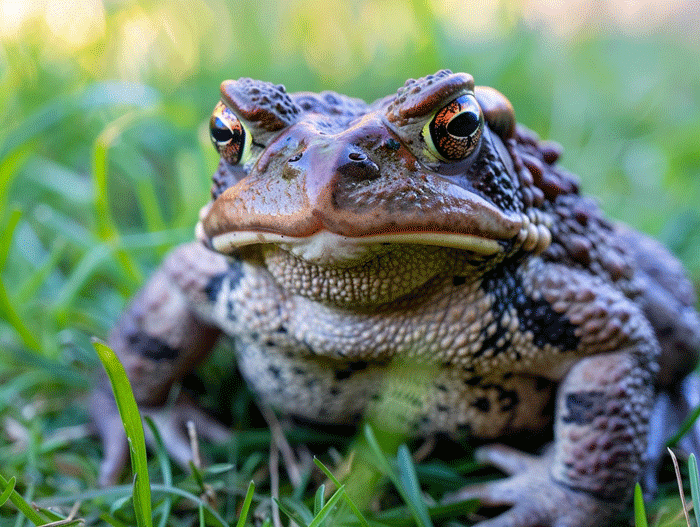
325	246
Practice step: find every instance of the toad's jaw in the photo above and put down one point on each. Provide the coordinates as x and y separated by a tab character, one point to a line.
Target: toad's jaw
326	247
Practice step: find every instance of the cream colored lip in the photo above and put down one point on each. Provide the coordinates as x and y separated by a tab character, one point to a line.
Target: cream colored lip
327	246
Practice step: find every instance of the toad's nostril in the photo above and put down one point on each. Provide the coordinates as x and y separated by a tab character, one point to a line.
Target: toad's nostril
359	167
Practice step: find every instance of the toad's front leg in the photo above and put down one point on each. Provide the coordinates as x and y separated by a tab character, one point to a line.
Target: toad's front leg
163	334
602	419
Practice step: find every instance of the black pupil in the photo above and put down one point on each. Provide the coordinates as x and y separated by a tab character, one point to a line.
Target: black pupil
220	132
463	125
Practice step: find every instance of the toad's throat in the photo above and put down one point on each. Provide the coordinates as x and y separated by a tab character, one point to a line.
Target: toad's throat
324	247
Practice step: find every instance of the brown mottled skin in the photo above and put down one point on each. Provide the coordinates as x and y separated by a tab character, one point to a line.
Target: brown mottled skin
425	229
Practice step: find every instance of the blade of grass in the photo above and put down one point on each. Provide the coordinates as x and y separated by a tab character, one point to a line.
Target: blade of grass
640	515
6	240
694	486
9	169
81	274
246	505
348	499
8	490
33	282
326	509
106	229
165	469
318	499
21	504
111	521
388	470
407	474
290	514
685	427
6	305
129	412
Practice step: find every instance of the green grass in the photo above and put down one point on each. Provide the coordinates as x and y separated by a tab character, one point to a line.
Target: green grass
105	161
129	412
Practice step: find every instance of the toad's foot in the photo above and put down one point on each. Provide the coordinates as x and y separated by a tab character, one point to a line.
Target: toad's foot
170	421
535	498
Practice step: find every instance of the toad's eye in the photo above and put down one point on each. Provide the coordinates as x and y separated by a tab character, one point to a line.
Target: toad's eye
229	135
454	131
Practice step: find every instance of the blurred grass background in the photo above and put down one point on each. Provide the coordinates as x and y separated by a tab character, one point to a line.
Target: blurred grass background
105	156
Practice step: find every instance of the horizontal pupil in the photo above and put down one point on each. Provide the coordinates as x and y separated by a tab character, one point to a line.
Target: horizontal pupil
463	125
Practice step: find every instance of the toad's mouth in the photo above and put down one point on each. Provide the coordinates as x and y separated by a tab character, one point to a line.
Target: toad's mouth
325	247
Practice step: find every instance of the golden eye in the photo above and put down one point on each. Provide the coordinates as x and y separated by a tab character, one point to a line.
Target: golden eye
228	134
454	131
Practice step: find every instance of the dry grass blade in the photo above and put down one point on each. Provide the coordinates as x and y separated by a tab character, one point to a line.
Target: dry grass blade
680	485
290	461
275	483
70	519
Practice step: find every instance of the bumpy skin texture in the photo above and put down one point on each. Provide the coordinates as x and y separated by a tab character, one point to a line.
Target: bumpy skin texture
483	295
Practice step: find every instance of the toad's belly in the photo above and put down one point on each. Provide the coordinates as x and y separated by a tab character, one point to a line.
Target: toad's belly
414	398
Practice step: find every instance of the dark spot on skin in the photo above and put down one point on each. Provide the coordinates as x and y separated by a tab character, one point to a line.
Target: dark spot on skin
442	408
508	399
547	325
483	404
214	287
282	330
441	387
299	371
473	381
334	391
342	374
269	343
233	275
458	280
255	336
583	407
274	370
504	286
230	311
151	347
349	369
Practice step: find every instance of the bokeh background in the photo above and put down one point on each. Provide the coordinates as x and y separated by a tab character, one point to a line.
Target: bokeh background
105	156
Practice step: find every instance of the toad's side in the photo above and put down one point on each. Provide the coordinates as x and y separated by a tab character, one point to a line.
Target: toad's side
421	245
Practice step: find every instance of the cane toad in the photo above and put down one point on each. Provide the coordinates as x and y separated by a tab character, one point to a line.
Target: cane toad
344	238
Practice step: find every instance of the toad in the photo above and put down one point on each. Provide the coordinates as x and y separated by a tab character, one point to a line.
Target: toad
343	239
